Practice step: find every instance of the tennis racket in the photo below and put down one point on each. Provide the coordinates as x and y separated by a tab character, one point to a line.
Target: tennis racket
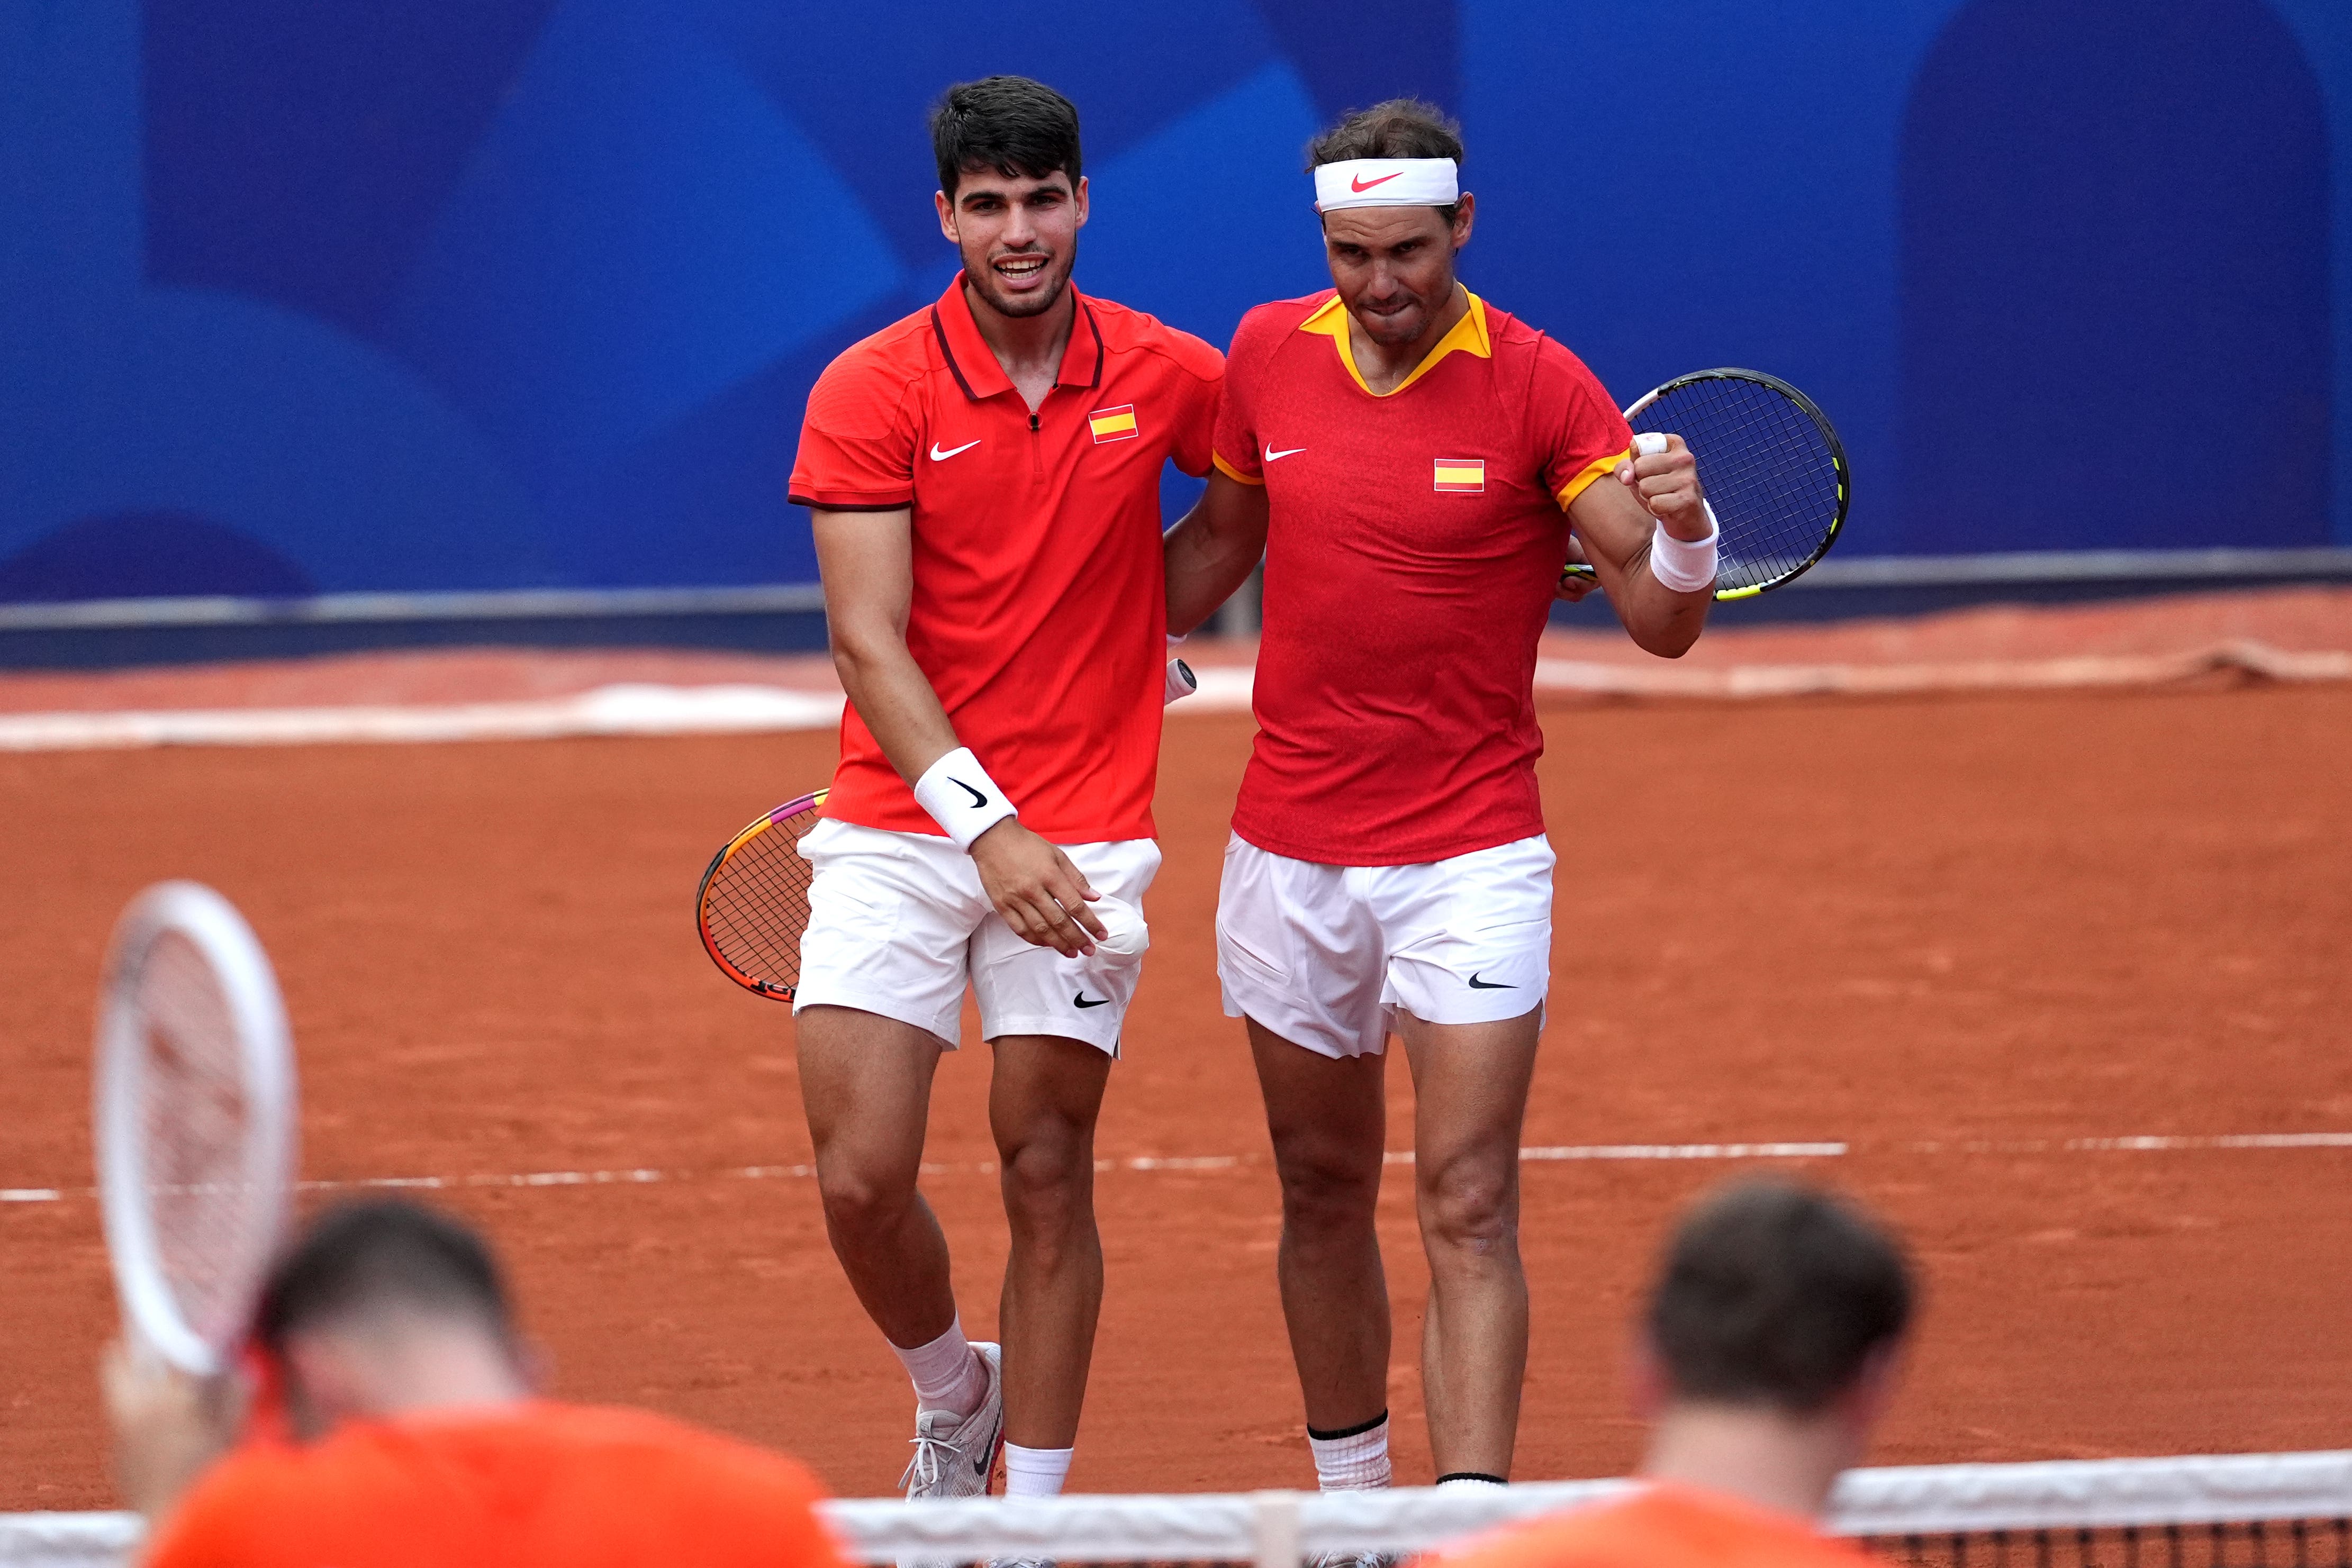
753	905
1771	465
194	1117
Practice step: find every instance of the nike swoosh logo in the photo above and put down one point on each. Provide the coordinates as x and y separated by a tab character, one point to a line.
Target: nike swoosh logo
977	797
939	457
1098	1002
1272	455
1478	985
1358	185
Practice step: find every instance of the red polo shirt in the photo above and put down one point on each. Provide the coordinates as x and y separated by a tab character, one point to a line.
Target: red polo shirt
1413	546
1039	609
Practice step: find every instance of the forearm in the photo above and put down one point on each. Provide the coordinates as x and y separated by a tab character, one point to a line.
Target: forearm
1212	551
1660	619
894	698
1203	573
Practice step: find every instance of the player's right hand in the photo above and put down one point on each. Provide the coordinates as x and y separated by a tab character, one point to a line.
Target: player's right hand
168	1425
1033	884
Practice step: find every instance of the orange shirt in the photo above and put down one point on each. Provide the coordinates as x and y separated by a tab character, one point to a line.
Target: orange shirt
1039	604
1662	1526
542	1484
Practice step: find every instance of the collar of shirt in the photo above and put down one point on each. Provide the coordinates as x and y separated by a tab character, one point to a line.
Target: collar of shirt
973	363
1469	335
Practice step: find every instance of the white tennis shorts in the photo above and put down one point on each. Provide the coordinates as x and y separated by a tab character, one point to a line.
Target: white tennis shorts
898	925
1327	955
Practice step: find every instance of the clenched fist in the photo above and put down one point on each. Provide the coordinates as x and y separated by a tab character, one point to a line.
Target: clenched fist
1666	484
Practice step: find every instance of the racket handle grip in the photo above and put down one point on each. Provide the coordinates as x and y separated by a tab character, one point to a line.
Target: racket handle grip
1181	682
1649	444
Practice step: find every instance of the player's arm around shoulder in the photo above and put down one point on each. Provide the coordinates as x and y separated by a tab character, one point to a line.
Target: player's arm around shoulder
1615	521
1214	549
1212	552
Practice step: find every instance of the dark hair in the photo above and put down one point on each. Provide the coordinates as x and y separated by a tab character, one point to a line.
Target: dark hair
379	1254
1019	128
1401	128
1775	1294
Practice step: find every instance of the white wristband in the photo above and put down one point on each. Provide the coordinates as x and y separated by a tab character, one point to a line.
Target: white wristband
961	797
1686	565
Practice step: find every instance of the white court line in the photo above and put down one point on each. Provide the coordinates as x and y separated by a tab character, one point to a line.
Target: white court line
643	1175
643	709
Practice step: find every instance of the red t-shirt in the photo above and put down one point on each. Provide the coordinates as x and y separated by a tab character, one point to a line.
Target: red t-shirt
1414	547
1040	607
1658	1527
544	1484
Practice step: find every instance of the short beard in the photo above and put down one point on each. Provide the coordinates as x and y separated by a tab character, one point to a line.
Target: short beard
982	278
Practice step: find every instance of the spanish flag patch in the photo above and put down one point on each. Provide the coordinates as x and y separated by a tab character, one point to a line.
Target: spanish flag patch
1113	424
1462	475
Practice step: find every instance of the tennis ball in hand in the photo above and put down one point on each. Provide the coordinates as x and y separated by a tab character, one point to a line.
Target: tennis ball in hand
1126	934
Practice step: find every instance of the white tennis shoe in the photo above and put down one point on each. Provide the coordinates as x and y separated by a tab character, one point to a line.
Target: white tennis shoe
955	1456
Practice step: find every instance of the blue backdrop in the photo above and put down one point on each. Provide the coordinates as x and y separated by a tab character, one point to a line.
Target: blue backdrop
299	297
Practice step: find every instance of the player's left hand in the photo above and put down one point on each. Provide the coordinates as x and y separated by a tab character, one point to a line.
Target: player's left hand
1574	585
168	1426
1667	486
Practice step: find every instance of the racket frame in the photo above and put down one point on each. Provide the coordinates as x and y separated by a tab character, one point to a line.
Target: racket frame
212	926
757	825
1821	421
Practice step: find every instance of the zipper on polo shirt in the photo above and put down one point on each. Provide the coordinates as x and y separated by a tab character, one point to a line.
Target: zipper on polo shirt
1036	451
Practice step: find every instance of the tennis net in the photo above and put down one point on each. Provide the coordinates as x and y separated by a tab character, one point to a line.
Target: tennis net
2251	1510
2242	1510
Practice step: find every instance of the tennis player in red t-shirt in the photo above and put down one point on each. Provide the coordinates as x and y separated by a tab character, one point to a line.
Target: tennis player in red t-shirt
1414	464
985	479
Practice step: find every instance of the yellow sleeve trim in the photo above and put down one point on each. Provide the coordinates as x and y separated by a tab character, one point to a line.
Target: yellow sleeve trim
1589	473
1230	472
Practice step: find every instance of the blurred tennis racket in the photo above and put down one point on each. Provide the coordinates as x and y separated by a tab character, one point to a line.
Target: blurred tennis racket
1771	465
195	1128
753	903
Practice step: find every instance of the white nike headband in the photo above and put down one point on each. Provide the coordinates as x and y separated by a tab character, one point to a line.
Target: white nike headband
1386	183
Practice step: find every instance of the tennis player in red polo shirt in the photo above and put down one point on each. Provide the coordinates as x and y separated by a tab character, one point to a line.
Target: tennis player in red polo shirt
1415	464
984	480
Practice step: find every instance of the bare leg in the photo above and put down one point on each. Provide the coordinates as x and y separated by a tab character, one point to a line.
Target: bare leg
1041	1104
1328	1122
1470	1082
865	1083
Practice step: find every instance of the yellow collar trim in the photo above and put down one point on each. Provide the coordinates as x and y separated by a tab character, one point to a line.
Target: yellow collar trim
1469	335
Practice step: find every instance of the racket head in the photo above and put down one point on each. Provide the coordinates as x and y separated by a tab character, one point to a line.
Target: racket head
1773	467
195	1112
752	906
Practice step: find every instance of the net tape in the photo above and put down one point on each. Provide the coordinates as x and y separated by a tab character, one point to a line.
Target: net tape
1885	1504
1943	1509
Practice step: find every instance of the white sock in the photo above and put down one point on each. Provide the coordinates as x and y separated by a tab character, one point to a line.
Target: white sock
1034	1472
1356	1461
947	1372
1450	1483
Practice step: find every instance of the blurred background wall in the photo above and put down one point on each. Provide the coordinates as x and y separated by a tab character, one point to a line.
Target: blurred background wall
303	298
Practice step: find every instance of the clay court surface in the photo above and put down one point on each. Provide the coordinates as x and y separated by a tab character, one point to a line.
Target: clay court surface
1951	933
